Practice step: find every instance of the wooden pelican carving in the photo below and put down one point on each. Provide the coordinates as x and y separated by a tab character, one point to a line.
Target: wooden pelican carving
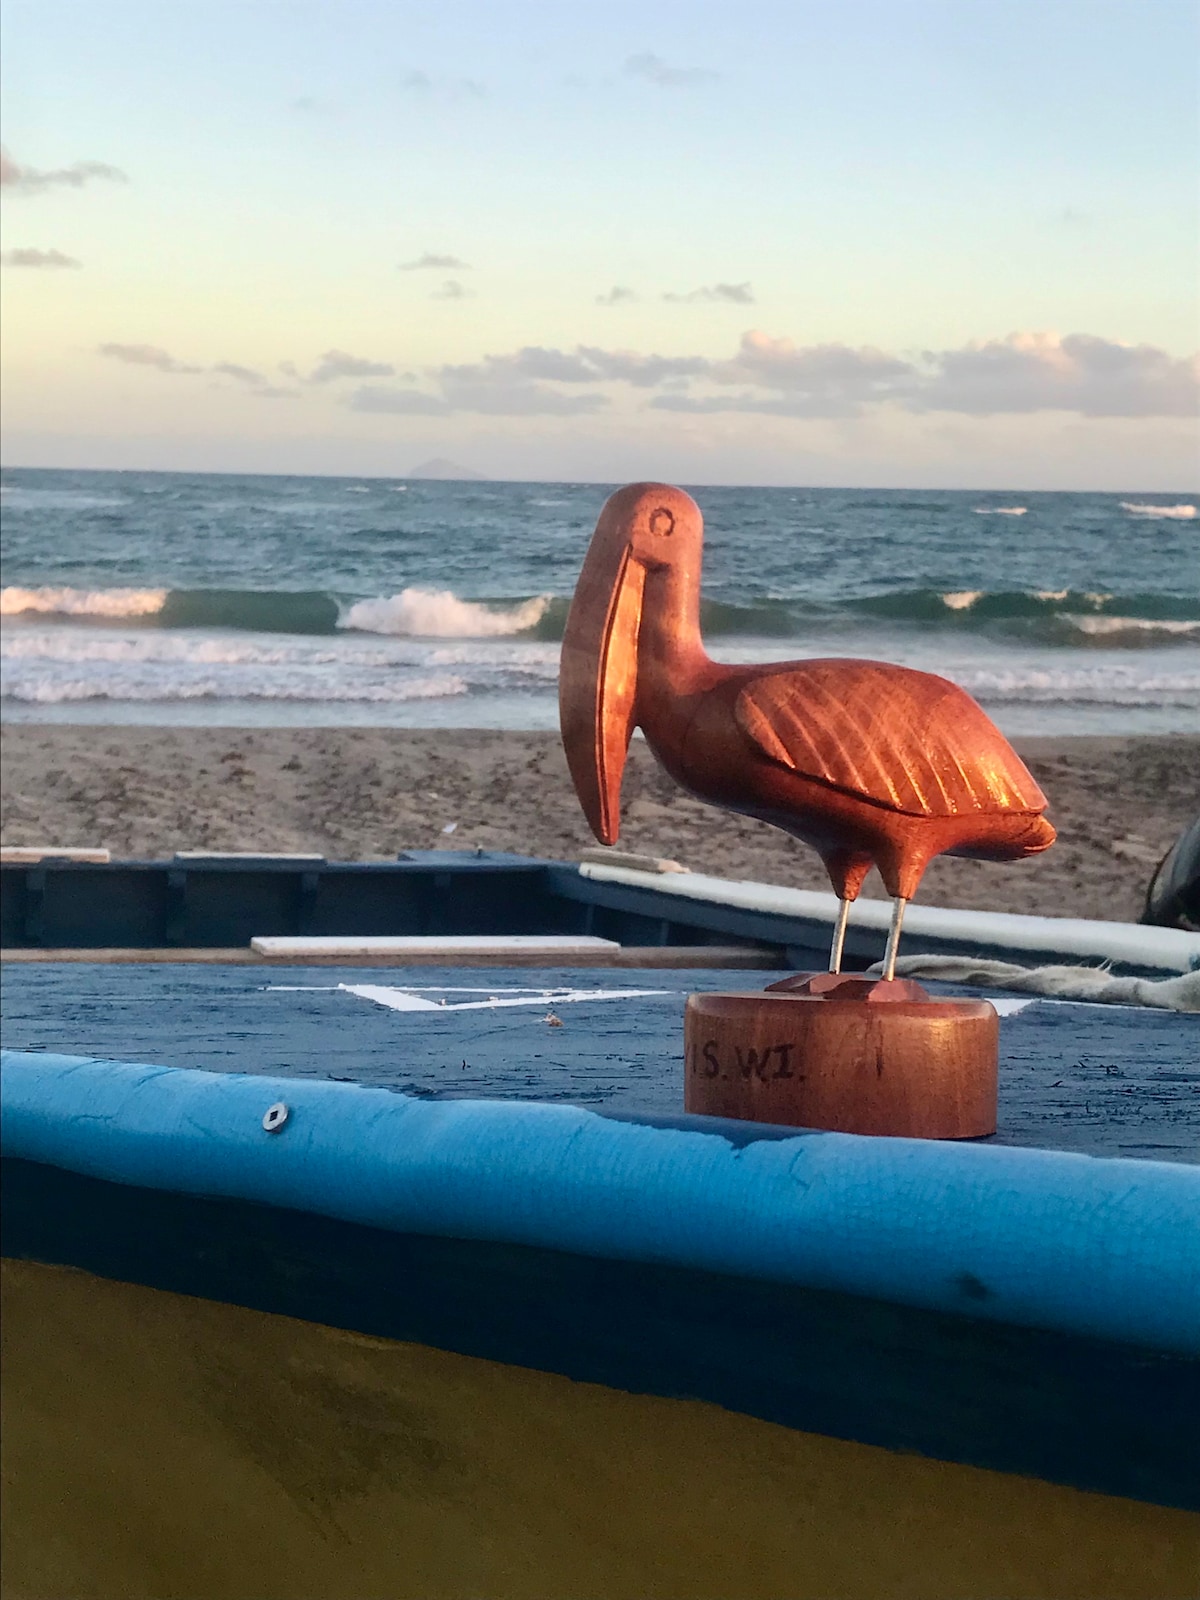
870	764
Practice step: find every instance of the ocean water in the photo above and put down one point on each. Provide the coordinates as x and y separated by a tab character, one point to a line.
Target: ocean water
177	598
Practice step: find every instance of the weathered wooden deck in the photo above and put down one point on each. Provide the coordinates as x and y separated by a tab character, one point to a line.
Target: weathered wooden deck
1101	1080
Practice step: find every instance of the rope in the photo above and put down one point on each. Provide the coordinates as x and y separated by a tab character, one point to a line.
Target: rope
1059	983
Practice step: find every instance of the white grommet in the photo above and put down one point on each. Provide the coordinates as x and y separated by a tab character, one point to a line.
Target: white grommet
274	1117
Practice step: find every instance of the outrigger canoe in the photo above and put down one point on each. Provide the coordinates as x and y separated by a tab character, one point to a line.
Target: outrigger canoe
364	1274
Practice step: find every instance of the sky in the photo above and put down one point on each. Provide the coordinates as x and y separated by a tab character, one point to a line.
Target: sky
933	243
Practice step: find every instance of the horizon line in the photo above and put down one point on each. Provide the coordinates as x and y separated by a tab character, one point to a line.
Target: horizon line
470	477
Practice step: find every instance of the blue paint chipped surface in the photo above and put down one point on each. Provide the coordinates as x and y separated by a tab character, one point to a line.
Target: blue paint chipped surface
1101	1080
1100	1247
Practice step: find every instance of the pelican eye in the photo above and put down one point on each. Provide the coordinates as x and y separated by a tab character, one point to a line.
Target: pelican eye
662	522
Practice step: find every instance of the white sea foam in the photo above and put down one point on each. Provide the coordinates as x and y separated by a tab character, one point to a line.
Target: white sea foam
15	602
1179	513
1158	676
48	665
59	691
17	497
1001	511
1103	626
353	653
1051	594
509	681
1108	685
440	614
963	600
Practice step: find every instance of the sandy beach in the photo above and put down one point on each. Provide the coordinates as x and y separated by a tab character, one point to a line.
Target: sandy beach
370	792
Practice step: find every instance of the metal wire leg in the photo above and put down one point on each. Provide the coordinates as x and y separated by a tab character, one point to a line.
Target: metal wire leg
839	936
893	943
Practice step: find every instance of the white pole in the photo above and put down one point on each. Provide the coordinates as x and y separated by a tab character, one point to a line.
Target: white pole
893	942
839	936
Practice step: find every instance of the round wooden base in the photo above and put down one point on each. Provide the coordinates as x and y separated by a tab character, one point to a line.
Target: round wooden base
862	1060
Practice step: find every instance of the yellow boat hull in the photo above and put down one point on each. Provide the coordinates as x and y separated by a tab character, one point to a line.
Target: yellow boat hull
160	1446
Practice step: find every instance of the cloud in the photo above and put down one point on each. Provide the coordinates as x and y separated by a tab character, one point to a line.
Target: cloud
618	295
31	180
451	290
1043	372
1077	374
586	364
441	263
397	402
644	372
736	294
797	405
838	372
336	364
1025	372
520	400
417	82
29	257
152	355
230	369
518	385
146	355
256	383
653	69
779	378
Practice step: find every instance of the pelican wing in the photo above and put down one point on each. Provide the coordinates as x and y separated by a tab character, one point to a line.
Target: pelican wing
906	740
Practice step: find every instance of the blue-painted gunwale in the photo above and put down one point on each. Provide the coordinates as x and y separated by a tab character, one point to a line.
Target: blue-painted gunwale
1031	1310
1097	1079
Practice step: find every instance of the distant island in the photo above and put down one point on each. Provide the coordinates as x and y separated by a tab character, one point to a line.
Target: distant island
440	467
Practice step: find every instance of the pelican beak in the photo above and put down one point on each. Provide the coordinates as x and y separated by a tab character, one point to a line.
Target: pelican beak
597	686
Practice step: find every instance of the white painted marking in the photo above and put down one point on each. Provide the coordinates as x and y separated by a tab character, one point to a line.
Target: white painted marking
410	998
395	999
406	1000
492	990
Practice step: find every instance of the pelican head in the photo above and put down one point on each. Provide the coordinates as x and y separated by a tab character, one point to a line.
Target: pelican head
644	528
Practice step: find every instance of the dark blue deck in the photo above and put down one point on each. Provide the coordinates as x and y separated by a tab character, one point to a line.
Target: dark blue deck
1102	1080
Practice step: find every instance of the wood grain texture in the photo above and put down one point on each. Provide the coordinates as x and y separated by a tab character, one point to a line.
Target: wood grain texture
924	1069
870	764
886	733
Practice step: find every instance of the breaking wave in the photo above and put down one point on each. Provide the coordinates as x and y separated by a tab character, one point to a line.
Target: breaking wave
439	614
1179	513
108	603
1001	511
413	613
1044	616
